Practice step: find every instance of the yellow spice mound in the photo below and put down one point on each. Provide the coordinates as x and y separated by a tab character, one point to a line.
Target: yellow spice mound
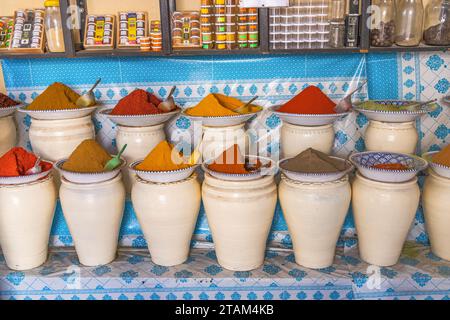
163	158
219	105
56	97
88	157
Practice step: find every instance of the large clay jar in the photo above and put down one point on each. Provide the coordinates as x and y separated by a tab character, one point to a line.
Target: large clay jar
140	141
8	135
26	216
167	213
383	215
295	139
218	139
436	203
240	215
93	213
391	137
314	213
56	139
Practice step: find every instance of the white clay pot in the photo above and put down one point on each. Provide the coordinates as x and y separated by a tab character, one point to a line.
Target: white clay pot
295	139
436	204
240	215
391	137
56	139
314	213
216	140
93	213
26	216
167	213
383	215
140	141
8	135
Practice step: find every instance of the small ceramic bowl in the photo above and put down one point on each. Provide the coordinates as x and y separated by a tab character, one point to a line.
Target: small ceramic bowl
4	112
225	121
440	169
268	168
58	114
26	179
146	120
88	178
317	177
308	119
364	162
393	116
163	176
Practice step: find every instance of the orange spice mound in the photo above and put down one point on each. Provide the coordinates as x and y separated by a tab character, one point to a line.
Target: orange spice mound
56	97
390	166
219	105
443	157
163	158
232	161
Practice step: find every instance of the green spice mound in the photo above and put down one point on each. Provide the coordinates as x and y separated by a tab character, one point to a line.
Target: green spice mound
373	105
313	161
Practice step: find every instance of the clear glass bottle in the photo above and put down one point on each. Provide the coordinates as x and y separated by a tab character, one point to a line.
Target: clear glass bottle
53	26
437	23
409	23
382	29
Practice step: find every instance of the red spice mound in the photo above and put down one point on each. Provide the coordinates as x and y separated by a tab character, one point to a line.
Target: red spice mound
17	161
310	101
6	102
390	166
138	102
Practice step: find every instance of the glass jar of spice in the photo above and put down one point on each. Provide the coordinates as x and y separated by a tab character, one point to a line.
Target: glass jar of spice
437	23
382	30
409	23
337	23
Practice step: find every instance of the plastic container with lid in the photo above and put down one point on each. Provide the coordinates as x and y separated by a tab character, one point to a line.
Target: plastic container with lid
437	23
382	29
409	23
53	26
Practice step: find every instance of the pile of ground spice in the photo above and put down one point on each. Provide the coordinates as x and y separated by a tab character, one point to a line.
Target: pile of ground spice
88	157
138	102
233	162
219	105
164	157
443	157
56	97
313	161
6	102
390	166
17	161
310	101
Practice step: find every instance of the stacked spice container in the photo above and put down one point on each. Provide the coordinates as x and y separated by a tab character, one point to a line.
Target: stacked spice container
92	197
308	120
223	120
27	206
140	119
436	202
239	194
319	185
58	125
166	197
392	124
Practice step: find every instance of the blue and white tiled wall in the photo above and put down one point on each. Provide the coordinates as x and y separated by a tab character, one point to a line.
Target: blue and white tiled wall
274	79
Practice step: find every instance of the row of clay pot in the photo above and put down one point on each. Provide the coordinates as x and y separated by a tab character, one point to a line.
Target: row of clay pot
239	214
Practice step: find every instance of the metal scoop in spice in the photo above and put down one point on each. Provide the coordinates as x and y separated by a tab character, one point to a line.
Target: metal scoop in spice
168	104
36	168
346	103
88	99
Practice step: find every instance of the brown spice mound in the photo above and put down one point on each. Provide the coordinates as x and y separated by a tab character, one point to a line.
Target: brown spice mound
313	161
